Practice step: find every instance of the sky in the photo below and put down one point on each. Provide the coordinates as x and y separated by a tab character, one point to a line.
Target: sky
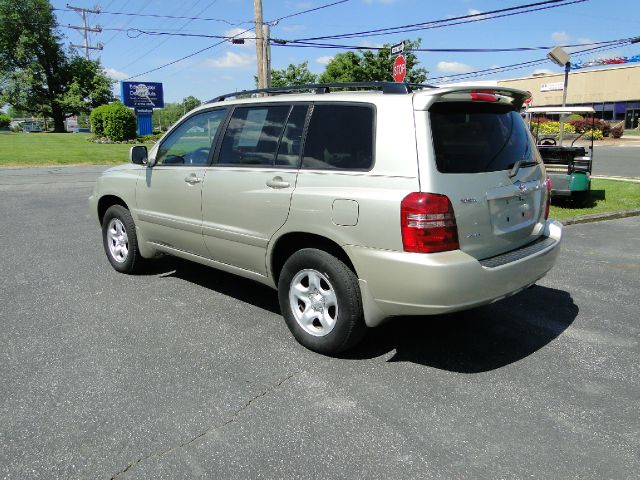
226	67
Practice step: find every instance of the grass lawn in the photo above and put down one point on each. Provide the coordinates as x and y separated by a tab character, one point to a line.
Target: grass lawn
606	196
631	133
38	149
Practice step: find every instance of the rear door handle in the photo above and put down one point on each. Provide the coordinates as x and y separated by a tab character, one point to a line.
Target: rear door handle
192	179
277	182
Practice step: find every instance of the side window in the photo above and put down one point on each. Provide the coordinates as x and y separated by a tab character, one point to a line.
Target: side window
339	137
190	143
252	135
289	150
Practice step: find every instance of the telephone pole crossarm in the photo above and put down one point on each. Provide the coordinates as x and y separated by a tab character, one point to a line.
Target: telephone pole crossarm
85	28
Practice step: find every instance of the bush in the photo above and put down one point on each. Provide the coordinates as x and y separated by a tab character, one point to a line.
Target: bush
114	121
96	119
5	120
586	125
551	128
150	138
119	122
616	132
597	134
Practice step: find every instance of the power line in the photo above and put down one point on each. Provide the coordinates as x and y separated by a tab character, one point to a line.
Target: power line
309	10
299	44
204	19
516	66
166	39
273	22
475	17
425	25
145	5
186	56
295	44
153	15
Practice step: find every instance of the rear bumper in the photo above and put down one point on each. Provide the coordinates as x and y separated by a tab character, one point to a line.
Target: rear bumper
399	283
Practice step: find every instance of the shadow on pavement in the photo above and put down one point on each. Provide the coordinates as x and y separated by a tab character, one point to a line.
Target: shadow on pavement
472	341
476	340
242	289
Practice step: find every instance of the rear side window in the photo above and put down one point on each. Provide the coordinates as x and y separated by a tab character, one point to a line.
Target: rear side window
339	137
289	150
478	137
252	135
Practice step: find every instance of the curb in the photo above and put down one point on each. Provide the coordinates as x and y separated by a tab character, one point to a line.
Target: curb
620	179
599	217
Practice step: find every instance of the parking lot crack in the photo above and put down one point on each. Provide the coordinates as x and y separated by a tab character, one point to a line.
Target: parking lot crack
233	418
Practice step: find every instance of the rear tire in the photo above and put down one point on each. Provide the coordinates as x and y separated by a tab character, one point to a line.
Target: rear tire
120	241
321	302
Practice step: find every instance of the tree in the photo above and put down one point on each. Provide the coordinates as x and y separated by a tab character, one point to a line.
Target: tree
370	66
88	88
190	103
293	75
5	120
171	113
15	113
37	75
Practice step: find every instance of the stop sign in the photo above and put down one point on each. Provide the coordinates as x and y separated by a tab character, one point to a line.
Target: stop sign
399	68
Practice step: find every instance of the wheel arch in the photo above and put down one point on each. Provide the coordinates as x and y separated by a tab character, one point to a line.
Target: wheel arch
291	242
107	201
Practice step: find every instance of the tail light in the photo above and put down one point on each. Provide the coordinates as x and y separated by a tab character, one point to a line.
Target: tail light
548	199
483	96
428	224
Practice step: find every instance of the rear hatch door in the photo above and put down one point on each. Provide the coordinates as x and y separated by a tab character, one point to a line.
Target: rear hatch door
484	159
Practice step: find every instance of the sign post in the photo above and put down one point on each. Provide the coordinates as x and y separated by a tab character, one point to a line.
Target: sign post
143	97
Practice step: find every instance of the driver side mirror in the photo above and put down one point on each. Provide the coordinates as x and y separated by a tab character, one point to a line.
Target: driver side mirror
138	155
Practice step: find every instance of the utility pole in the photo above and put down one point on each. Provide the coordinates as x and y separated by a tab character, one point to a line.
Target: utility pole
266	54
86	28
260	50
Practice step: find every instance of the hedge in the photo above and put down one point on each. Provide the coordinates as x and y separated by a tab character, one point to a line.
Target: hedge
114	121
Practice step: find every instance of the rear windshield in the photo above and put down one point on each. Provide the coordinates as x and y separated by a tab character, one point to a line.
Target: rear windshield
478	137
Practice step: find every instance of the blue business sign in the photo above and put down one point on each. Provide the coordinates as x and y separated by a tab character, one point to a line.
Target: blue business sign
142	94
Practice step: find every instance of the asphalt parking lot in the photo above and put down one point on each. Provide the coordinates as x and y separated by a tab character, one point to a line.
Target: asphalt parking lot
187	372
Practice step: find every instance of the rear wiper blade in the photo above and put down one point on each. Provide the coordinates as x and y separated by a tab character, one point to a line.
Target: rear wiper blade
515	168
521	163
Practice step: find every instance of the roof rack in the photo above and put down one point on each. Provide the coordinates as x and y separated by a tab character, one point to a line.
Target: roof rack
320	88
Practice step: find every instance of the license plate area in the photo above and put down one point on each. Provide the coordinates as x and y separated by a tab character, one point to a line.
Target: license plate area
511	213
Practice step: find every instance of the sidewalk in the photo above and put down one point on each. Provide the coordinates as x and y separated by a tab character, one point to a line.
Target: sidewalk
630	140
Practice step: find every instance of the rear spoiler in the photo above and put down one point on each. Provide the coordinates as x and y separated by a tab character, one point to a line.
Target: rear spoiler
471	93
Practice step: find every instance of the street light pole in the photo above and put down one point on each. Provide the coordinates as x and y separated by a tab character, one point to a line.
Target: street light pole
561	58
567	68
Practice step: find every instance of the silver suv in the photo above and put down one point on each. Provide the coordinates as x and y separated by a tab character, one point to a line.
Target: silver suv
357	206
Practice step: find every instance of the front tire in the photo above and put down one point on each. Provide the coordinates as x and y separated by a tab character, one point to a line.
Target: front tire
321	302
120	241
